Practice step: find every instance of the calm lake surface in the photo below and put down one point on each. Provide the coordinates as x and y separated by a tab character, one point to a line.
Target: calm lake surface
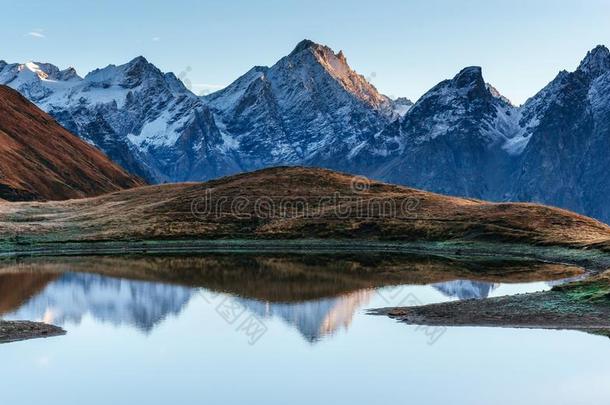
240	329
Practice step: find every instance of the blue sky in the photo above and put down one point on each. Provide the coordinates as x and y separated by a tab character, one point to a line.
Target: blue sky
404	47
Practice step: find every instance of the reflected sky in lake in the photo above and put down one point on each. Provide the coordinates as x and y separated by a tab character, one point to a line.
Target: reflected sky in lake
179	338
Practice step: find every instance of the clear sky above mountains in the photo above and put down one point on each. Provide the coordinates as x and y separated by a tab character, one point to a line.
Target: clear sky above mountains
403	47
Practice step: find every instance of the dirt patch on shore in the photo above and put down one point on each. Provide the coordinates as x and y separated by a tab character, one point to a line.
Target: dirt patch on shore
582	305
14	331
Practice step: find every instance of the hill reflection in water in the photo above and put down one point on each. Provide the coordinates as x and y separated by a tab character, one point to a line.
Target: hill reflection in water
317	295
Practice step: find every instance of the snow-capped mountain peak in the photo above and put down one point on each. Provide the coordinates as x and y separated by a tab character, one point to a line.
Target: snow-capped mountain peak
462	106
227	98
44	71
308	103
35	80
37	68
597	61
131	111
135	73
304	45
336	65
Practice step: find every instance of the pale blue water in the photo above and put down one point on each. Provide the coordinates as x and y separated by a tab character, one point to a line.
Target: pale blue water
132	342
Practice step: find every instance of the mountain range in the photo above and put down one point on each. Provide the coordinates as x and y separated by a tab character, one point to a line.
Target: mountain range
461	138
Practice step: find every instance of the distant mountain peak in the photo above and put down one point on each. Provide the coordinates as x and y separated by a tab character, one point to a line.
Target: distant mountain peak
129	75
138	60
469	76
596	62
42	70
464	109
336	65
69	74
402	105
304	45
467	83
403	100
141	64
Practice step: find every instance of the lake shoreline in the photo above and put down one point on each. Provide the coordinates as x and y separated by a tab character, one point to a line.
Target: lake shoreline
580	305
15	331
544	310
462	313
591	259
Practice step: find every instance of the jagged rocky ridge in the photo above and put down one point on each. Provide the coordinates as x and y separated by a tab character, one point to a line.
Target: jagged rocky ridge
308	104
145	120
310	108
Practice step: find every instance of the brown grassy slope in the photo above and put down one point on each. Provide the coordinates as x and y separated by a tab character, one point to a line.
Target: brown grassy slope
39	159
165	212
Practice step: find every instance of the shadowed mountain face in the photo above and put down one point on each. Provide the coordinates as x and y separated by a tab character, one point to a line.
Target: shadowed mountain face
453	141
317	295
566	160
41	160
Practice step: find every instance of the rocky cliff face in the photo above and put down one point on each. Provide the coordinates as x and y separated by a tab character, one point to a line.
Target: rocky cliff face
452	141
566	161
310	107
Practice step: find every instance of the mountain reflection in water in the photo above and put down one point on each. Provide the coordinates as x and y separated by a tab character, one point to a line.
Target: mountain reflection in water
466	289
109	300
317	318
317	295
